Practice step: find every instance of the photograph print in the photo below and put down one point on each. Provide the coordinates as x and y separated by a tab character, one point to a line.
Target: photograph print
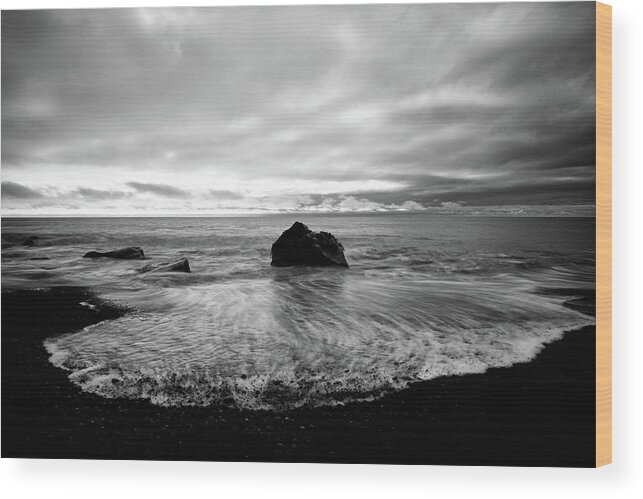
323	234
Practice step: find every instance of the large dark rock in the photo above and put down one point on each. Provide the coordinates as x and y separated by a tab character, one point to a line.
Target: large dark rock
181	265
300	246
130	253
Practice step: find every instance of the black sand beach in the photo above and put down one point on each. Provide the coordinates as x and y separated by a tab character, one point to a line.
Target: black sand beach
539	413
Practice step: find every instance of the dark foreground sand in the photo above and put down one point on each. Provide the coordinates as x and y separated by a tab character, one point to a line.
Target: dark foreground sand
536	414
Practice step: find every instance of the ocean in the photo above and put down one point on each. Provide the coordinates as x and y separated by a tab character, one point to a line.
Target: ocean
425	296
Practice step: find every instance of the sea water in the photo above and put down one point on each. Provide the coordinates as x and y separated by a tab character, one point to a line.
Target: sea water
425	296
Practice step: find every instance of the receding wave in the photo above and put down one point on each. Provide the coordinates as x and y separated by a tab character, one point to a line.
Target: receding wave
307	338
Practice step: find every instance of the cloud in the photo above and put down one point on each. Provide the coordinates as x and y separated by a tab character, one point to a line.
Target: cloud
223	194
450	204
352	204
18	191
100	194
256	107
159	189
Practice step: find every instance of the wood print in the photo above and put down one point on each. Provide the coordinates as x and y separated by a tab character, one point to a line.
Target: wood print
340	234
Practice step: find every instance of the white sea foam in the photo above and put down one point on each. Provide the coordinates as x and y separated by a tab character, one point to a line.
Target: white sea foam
308	340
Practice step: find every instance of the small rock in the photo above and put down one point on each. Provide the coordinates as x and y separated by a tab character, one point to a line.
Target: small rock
181	265
131	253
30	241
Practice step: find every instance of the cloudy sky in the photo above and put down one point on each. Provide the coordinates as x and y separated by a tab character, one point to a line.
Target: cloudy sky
471	107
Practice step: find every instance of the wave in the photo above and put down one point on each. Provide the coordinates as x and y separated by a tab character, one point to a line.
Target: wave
301	340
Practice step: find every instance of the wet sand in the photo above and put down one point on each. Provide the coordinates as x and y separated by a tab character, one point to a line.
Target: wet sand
539	413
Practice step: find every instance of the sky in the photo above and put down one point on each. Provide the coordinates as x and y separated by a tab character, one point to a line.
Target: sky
454	108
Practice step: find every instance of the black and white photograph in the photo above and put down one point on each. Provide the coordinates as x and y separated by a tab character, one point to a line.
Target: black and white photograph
302	234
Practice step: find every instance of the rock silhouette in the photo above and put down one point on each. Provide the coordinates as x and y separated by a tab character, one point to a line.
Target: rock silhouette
300	246
181	265
130	253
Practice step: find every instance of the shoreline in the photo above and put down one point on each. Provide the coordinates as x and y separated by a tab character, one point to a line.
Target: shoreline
539	413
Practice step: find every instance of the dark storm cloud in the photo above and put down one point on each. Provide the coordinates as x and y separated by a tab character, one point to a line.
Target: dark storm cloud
15	190
99	194
159	189
284	107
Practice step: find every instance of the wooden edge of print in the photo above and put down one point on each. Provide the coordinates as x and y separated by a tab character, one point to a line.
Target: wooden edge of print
603	234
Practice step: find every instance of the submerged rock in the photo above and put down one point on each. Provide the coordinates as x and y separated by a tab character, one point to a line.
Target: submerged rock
130	253
30	241
300	246
181	265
